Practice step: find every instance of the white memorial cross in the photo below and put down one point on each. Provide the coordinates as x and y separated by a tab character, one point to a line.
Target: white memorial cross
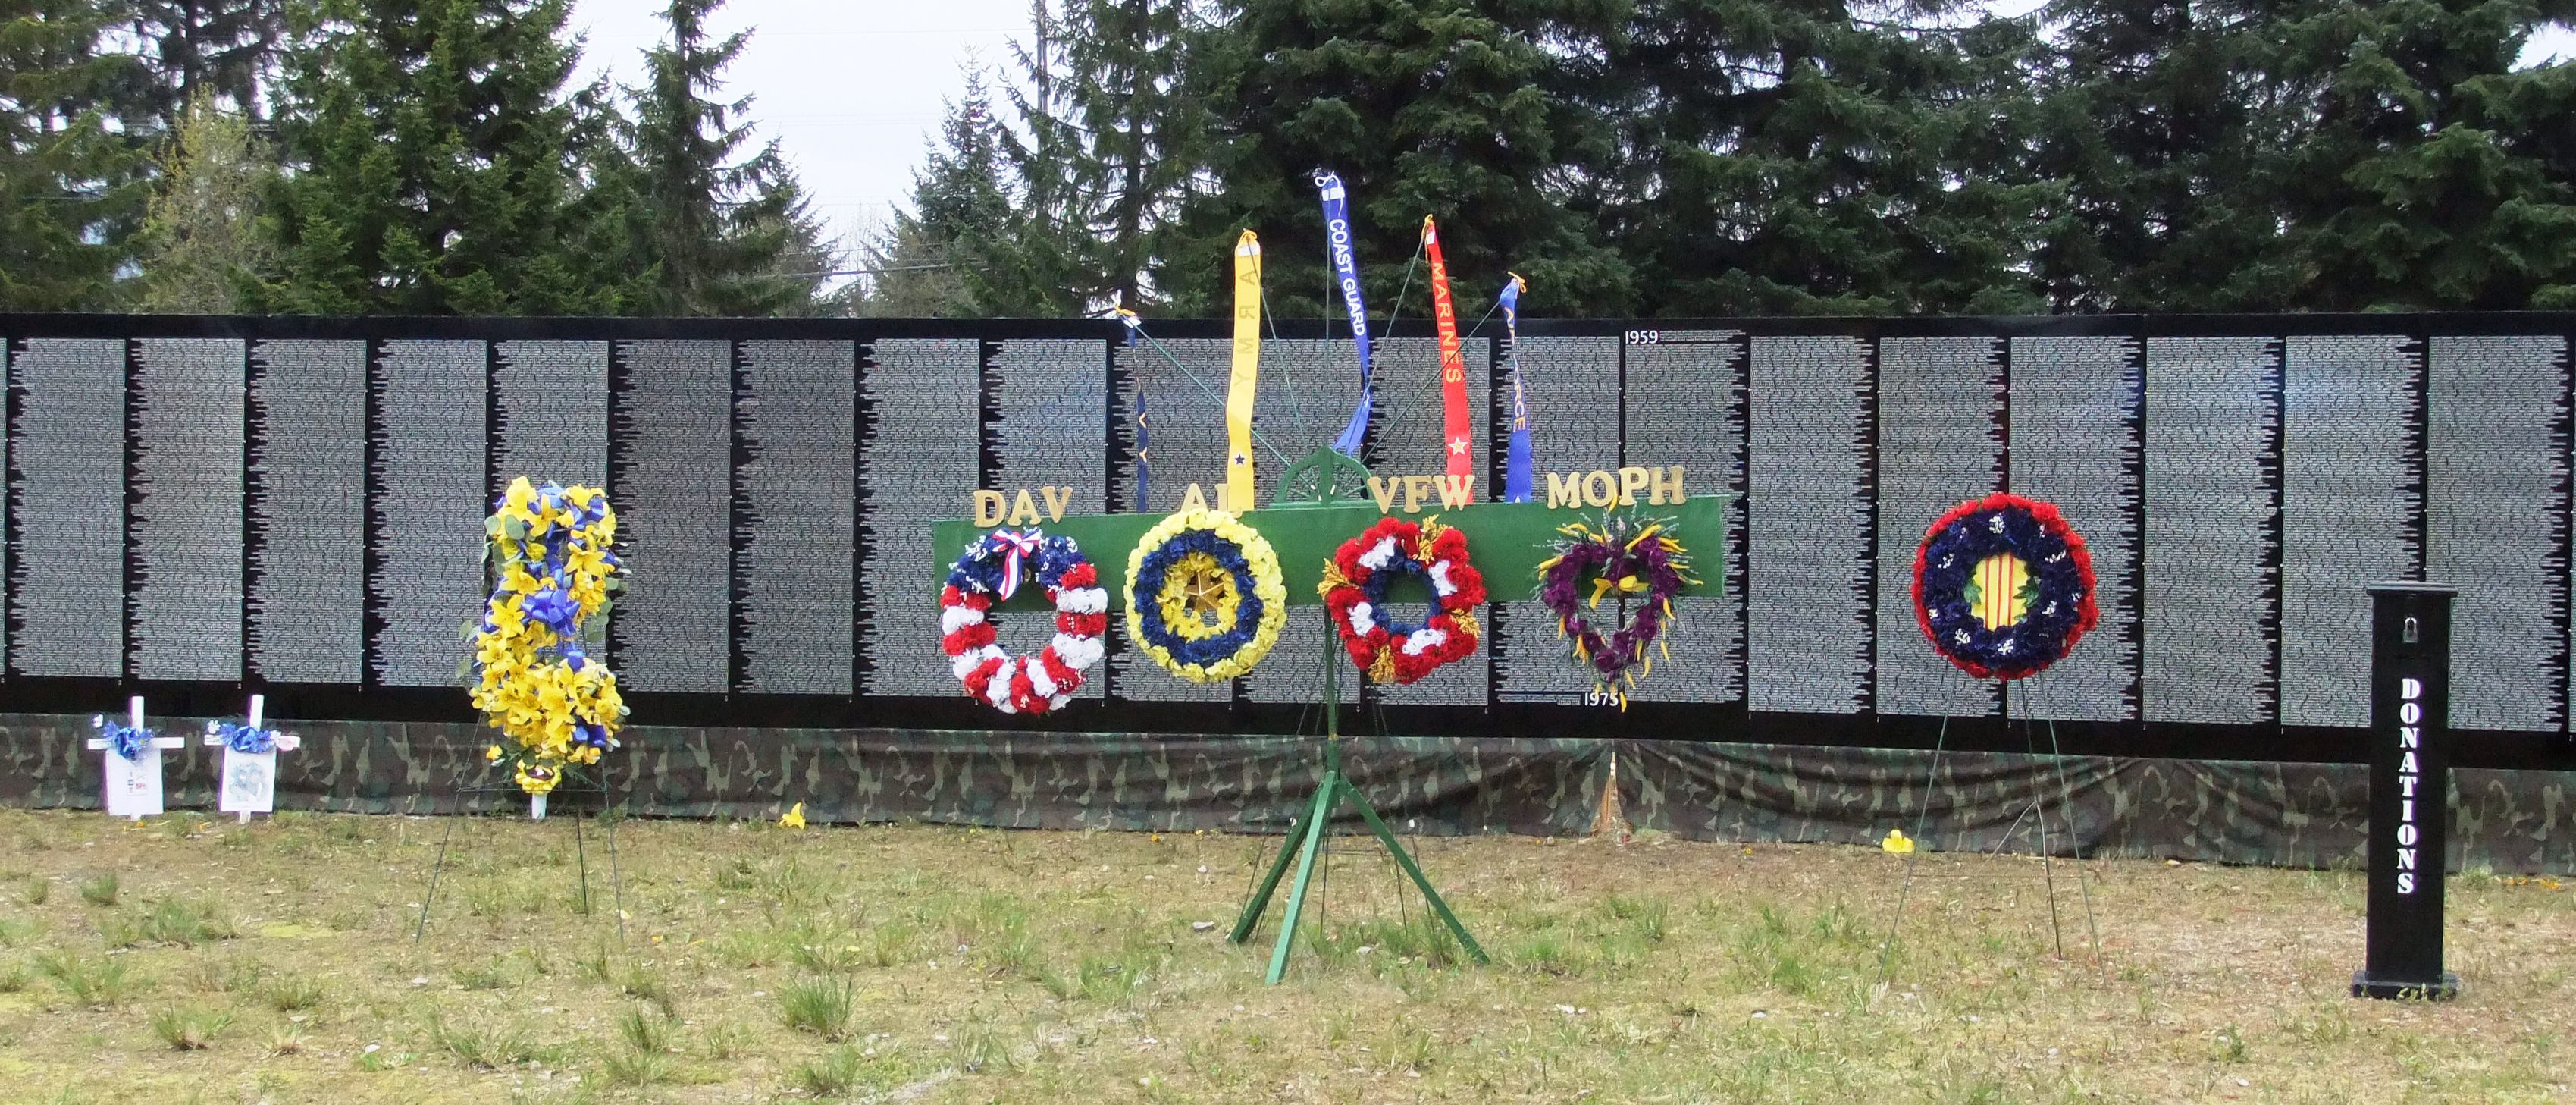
133	786
249	782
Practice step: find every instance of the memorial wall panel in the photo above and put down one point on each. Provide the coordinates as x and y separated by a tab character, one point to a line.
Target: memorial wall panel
2351	511
1181	382
671	439
2074	421
430	477
1684	405
551	399
308	510
1048	404
186	511
2496	507
1572	388
1309	386
1410	441
1940	443
67	588
917	464
793	515
2213	530
1807	537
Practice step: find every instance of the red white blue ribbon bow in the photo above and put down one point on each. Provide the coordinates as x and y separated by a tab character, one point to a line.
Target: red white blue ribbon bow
1015	546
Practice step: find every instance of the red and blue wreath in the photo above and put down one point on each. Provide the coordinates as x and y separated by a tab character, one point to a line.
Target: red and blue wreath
1355	586
2003	587
991	572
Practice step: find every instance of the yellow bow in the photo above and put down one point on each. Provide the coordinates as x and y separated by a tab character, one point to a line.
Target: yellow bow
1602	586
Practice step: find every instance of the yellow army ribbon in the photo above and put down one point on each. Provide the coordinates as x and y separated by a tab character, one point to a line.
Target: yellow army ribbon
1237	495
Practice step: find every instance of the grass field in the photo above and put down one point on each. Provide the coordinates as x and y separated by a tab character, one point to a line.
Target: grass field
193	960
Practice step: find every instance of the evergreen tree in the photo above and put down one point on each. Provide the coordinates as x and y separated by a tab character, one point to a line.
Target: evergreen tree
1812	157
2316	155
2164	121
1115	139
199	243
431	149
728	235
70	184
224	51
2429	175
1461	109
952	254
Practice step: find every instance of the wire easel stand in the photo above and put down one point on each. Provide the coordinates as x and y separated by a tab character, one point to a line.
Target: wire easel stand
580	849
2036	812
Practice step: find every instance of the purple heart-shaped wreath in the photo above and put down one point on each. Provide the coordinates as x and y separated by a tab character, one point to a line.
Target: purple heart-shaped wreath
1626	554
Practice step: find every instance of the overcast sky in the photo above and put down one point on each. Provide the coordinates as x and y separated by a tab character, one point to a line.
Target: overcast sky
852	89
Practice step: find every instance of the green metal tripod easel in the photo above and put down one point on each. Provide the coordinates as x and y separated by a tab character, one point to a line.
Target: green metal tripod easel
1306	836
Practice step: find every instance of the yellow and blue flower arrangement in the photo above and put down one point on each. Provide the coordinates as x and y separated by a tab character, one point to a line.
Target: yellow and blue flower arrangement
1204	595
533	676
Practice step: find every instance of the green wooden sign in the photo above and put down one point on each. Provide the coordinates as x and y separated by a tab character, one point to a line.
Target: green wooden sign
1508	541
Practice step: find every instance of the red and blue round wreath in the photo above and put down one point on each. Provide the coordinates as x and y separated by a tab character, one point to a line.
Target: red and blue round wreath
2003	587
1355	594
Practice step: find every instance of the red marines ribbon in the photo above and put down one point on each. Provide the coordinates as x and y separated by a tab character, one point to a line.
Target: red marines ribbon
1453	371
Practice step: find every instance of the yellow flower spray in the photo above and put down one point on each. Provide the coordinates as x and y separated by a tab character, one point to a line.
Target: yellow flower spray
531	674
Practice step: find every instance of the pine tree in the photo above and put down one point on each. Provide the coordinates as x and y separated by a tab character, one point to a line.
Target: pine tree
430	143
2164	122
199	243
1115	139
729	235
2322	155
70	169
1461	109
2429	175
952	254
224	51
1803	158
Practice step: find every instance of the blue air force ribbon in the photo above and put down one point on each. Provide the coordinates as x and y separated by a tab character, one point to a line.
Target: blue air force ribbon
1516	472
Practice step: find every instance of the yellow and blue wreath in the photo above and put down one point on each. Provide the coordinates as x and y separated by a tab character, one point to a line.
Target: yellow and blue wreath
1204	596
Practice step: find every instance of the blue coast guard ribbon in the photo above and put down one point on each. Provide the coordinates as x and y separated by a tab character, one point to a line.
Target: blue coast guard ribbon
1516	472
1346	278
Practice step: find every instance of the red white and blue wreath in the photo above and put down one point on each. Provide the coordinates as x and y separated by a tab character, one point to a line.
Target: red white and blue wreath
991	572
2003	587
1354	591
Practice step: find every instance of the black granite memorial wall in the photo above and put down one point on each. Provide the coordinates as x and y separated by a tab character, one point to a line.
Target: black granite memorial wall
199	507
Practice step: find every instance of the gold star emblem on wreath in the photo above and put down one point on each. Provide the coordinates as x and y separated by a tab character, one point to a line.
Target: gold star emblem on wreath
1202	591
